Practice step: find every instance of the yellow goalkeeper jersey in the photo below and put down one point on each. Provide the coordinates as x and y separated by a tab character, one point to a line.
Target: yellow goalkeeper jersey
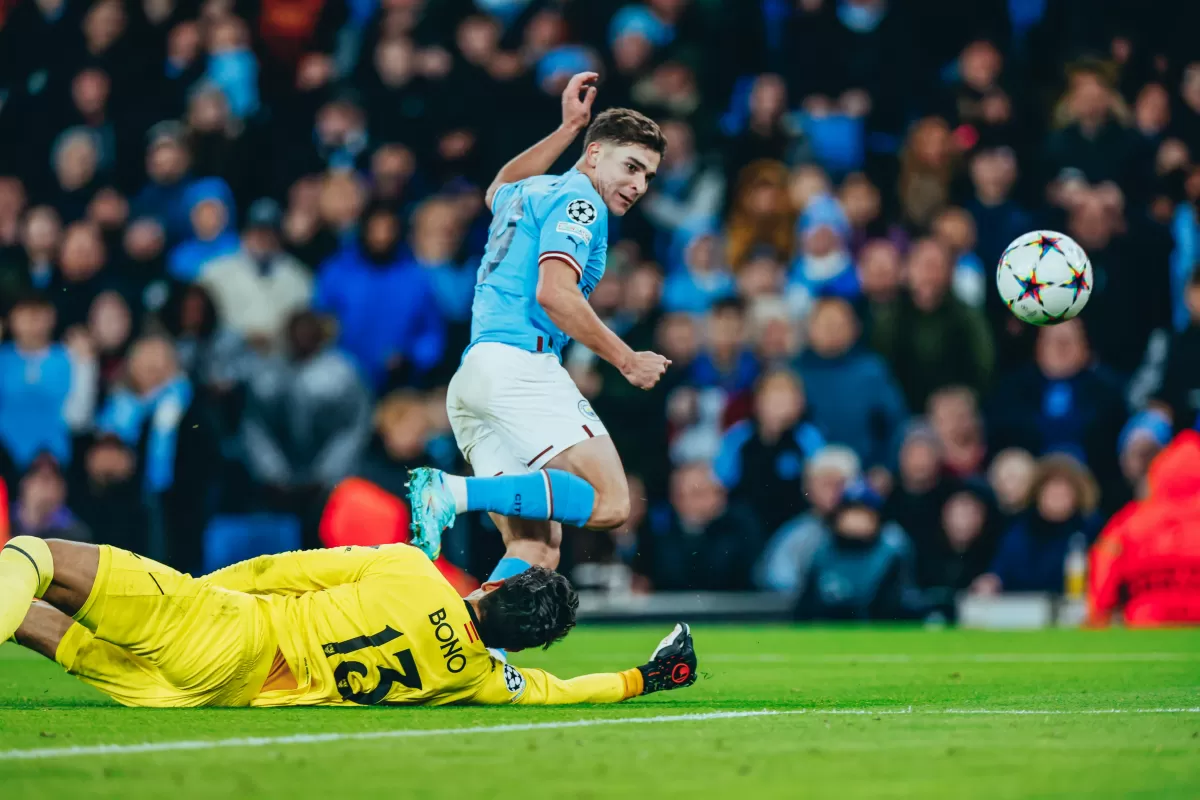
381	626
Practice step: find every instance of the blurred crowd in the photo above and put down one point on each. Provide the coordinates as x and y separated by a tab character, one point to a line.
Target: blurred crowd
238	244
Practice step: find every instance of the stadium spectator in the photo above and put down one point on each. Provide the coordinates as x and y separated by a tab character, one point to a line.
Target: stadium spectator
171	431
1141	440
436	235
398	444
950	558
1129	271
955	229
851	395
1010	477
30	264
863	206
41	508
1178	391
1032	553
863	567
1063	402
258	287
163	196
879	275
76	158
107	497
700	277
1091	135
954	414
761	461
823	267
37	404
761	219
688	187
387	312
705	542
308	415
921	487
927	168
788	554
211	211
929	337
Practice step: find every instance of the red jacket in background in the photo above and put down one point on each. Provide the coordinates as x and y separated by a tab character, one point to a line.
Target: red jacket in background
1147	558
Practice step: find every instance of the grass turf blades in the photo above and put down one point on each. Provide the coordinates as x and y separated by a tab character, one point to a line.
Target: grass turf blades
868	713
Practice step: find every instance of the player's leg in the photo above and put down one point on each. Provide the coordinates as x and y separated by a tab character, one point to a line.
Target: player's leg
60	572
531	404
207	642
527	542
128	679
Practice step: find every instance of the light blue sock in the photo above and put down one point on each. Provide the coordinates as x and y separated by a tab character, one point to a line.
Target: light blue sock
546	494
509	567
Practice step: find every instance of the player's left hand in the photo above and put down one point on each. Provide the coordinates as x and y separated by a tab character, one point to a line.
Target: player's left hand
673	663
577	101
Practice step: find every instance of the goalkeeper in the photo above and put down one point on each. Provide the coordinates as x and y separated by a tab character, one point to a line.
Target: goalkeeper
351	626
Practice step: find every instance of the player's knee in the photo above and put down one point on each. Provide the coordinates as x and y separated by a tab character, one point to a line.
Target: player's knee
611	509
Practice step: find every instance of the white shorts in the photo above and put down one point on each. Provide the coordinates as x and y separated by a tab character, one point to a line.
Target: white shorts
512	410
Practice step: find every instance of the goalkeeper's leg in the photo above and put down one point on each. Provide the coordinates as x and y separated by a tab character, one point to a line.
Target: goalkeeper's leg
61	572
208	642
128	679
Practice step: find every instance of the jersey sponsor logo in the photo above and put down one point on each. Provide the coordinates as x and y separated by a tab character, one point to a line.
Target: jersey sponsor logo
585	408
581	211
514	680
452	652
571	229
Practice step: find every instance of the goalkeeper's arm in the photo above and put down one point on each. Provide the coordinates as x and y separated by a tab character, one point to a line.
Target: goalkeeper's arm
671	666
297	572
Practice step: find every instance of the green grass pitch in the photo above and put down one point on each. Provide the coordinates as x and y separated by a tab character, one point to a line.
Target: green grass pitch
855	713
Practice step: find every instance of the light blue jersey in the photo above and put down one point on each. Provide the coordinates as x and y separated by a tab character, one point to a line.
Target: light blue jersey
547	216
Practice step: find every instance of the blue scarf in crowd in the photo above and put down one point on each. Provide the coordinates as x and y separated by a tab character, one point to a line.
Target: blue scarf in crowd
125	414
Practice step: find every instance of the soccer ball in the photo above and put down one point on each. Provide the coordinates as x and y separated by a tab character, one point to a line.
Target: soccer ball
1044	278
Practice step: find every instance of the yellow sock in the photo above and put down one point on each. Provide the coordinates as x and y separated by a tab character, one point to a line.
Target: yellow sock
26	570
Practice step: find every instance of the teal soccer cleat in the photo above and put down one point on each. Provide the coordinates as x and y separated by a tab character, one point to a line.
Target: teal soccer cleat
432	507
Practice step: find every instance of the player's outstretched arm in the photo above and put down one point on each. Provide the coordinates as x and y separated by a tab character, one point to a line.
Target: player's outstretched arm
298	572
559	296
577	101
671	666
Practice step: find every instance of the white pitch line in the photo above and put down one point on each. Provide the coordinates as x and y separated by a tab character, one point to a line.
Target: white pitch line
952	658
319	738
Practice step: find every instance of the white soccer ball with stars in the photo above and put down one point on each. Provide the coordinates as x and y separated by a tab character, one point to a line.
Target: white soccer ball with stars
1044	277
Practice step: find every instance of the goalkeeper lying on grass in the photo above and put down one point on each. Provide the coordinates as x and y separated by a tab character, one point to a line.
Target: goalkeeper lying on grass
355	625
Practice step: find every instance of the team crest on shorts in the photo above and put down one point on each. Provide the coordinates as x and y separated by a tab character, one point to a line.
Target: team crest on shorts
581	211
585	408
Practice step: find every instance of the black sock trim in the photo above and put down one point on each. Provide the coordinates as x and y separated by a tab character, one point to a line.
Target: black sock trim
37	571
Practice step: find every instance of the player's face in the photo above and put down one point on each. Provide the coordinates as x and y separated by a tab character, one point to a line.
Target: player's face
623	173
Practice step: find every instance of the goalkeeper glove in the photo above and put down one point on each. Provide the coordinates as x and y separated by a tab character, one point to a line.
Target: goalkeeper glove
673	664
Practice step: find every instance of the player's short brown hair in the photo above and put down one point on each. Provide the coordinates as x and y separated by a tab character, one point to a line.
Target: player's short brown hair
626	126
533	609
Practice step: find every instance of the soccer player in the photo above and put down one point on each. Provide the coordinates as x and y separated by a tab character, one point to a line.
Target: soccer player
540	454
349	626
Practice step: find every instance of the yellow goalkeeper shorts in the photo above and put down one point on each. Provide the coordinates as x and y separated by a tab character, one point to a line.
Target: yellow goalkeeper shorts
151	636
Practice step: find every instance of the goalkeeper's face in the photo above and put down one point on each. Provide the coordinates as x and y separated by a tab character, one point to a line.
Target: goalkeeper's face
533	609
623	173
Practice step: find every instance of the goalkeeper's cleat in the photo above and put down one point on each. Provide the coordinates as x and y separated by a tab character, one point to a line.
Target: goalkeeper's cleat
673	664
433	510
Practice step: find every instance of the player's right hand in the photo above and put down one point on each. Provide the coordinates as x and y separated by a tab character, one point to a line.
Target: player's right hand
645	369
577	109
673	663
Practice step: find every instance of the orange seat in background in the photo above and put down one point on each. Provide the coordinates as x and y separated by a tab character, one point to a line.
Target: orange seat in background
360	513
